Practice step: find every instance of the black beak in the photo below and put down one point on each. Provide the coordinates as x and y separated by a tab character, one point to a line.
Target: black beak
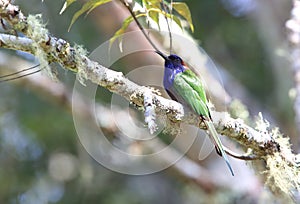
162	55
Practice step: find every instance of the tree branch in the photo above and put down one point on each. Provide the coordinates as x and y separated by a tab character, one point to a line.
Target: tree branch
60	94
117	83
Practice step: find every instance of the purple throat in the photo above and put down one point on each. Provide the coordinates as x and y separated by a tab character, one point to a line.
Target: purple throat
171	71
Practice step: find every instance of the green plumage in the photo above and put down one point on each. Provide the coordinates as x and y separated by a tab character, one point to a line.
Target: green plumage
190	88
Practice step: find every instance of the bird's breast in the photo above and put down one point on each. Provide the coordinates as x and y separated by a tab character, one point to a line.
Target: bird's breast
169	76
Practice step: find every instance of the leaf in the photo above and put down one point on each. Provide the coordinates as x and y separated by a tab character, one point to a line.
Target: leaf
122	30
171	16
155	17
152	3
66	5
177	20
183	9
87	7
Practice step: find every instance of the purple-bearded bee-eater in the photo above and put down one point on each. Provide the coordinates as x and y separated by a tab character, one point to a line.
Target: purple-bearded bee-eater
184	86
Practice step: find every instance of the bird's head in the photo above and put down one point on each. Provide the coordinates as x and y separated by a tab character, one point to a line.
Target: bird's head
174	60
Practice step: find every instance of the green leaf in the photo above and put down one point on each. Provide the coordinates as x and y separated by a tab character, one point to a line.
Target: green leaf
171	16
152	3
155	17
184	11
66	5
122	30
87	7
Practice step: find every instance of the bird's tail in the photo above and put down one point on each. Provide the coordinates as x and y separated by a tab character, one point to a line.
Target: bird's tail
217	142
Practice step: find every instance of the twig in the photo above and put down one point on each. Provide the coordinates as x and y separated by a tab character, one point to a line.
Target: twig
128	6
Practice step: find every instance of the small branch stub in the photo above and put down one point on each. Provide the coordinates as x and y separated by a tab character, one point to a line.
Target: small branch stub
149	111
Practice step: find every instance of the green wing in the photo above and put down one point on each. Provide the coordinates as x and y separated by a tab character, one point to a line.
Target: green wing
191	89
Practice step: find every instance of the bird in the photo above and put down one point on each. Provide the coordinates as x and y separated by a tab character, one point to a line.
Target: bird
184	86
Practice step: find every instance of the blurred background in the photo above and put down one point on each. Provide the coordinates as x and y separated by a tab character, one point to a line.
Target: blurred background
42	159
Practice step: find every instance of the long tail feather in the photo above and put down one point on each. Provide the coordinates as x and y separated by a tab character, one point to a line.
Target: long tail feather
217	142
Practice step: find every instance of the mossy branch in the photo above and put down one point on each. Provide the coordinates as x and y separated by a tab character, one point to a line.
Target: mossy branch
282	166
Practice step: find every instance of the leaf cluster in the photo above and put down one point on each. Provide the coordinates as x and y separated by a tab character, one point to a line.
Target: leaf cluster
149	10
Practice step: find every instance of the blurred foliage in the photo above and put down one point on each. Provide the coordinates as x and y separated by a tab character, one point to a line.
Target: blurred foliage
235	44
31	131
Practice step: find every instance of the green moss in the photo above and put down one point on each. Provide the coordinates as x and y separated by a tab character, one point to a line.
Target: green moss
79	53
38	33
281	173
238	110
